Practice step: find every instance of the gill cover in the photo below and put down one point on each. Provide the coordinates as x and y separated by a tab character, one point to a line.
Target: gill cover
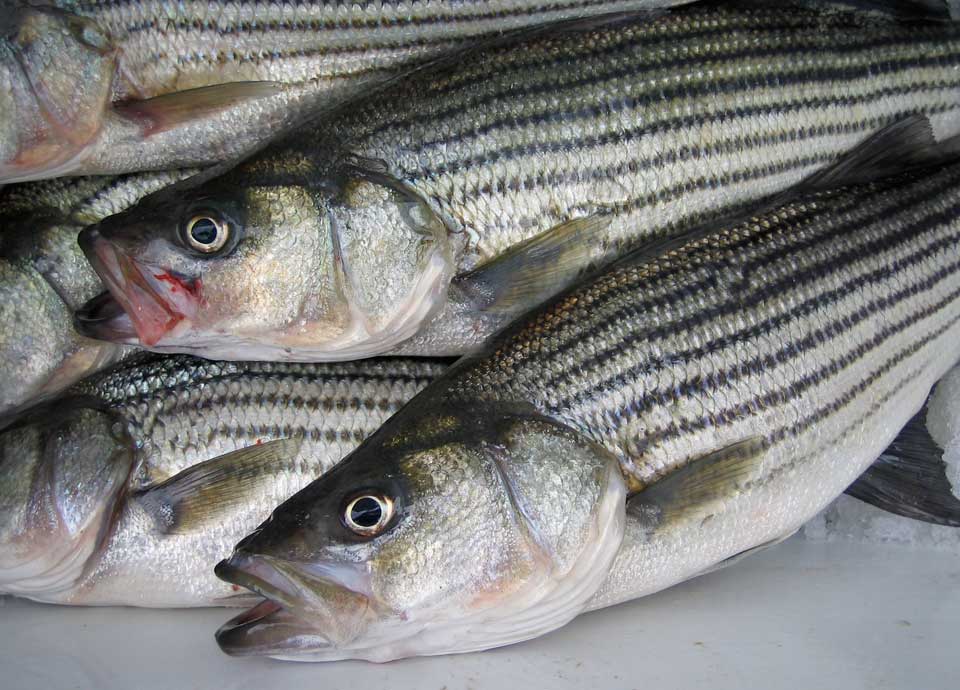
56	77
63	469
503	529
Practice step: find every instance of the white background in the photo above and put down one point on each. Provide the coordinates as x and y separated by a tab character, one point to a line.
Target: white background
800	615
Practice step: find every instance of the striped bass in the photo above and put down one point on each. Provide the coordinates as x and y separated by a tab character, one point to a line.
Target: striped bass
421	219
700	399
153	470
103	87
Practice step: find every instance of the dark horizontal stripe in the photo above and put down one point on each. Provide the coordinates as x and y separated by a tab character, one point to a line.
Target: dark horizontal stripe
185	389
786	353
342	22
504	68
370	66
853	424
852	393
756	141
554	84
317	434
729	87
794	389
777	254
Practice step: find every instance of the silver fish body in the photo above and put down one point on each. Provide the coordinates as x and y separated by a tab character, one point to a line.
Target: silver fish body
170	85
731	386
367	233
44	278
92	458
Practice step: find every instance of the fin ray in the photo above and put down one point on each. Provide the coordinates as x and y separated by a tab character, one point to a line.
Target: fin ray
198	494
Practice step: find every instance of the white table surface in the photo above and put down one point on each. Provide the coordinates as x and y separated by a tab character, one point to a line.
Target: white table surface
802	615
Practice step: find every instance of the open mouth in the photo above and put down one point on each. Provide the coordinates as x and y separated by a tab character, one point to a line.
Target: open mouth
103	318
268	628
153	302
303	614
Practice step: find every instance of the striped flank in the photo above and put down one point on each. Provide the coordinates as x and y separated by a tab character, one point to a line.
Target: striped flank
794	327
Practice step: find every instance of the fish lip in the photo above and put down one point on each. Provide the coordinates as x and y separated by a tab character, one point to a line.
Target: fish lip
151	306
258	575
102	318
294	623
255	574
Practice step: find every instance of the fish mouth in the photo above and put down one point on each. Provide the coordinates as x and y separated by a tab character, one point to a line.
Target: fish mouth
307	612
143	304
102	318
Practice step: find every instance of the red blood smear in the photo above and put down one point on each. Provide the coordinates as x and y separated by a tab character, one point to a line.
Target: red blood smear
191	287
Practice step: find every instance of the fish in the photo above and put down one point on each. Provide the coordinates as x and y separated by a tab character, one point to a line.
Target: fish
129	488
424	218
694	402
45	278
166	86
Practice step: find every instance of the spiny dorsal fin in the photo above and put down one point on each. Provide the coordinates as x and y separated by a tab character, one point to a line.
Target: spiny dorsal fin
200	493
699	489
909	478
536	269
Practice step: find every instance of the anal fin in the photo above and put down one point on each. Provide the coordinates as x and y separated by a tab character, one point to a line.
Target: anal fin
199	494
909	478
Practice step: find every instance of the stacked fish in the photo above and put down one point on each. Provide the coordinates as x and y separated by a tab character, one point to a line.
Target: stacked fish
699	264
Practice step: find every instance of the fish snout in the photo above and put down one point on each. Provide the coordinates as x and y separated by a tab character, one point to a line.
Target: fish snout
144	303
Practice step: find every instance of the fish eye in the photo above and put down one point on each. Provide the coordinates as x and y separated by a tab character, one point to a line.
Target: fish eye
368	514
206	232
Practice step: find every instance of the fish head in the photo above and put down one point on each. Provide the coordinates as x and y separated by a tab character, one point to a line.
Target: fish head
484	531
233	268
56	80
65	466
40	354
43	275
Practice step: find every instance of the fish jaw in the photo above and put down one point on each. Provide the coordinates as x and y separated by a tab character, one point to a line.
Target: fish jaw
335	600
56	81
146	304
285	625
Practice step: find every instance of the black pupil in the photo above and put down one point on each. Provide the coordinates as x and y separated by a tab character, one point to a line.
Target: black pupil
204	231
366	512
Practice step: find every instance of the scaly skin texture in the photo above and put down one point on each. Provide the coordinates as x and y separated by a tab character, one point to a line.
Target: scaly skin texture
647	125
318	53
174	413
44	277
809	335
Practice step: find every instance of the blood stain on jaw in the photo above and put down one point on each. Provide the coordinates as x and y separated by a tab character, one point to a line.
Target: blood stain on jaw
191	287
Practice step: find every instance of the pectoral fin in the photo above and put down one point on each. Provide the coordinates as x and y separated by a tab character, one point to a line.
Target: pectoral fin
199	494
535	270
699	489
910	478
173	109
